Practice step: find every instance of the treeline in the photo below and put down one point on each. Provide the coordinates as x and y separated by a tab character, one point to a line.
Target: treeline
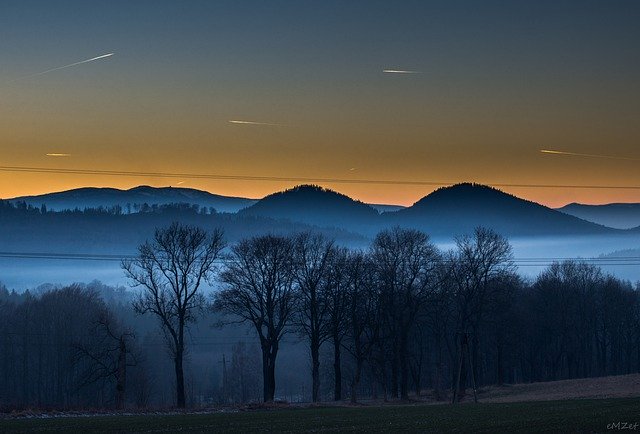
24	208
403	316
65	348
392	321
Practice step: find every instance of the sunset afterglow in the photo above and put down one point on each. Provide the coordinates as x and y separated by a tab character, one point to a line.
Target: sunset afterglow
468	92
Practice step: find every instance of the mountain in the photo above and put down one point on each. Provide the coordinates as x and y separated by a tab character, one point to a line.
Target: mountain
445	212
614	215
91	197
460	208
314	205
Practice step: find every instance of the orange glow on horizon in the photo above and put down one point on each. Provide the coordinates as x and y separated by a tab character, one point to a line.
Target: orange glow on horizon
36	184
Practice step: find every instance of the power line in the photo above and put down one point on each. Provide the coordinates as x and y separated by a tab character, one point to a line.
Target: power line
65	256
521	262
293	178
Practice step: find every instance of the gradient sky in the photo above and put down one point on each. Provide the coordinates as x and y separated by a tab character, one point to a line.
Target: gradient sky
498	81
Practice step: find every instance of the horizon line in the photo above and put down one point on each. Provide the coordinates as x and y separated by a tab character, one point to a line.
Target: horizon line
298	185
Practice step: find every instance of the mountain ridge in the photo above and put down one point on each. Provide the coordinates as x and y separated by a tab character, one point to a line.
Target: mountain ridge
450	210
315	205
617	215
93	197
461	207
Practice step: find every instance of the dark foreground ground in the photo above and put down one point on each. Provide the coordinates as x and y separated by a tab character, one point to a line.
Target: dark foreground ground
545	416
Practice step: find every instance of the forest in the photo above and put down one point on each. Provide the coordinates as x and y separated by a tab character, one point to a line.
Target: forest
397	320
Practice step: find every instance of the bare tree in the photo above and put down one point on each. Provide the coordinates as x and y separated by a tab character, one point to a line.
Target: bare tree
337	312
259	289
313	255
405	264
477	264
362	321
108	354
170	270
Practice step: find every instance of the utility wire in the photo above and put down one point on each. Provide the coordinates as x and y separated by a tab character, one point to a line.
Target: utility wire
68	171
522	262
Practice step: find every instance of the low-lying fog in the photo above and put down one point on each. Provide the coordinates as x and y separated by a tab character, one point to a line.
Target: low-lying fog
531	256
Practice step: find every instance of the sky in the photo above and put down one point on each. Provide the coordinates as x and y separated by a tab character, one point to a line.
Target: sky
493	83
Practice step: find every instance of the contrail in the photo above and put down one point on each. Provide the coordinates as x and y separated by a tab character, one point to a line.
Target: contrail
254	123
400	71
65	66
577	154
57	154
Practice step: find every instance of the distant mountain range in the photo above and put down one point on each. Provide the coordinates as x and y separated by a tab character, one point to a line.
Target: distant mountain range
453	210
446	212
34	242
614	215
129	200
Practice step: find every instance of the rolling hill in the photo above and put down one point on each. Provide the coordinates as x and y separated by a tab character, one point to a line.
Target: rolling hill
446	212
314	205
614	215
91	197
459	208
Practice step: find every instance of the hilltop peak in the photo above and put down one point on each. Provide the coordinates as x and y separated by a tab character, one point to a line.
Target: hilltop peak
465	191
313	204
461	207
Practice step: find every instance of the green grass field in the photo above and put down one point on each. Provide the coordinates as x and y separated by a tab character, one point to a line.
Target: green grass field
550	416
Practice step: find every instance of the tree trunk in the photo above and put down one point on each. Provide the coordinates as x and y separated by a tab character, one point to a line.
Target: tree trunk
272	375
404	369
180	395
416	374
315	369
121	379
337	368
265	376
394	373
356	380
474	357
269	354
438	374
180	400
499	367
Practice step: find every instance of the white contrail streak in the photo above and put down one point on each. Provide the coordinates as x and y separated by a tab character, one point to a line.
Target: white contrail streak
254	123
577	154
400	71
57	154
65	66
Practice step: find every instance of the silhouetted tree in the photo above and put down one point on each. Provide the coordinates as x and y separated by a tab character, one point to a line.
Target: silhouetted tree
170	270
108	354
337	312
477	264
259	288
405	263
313	255
363	327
